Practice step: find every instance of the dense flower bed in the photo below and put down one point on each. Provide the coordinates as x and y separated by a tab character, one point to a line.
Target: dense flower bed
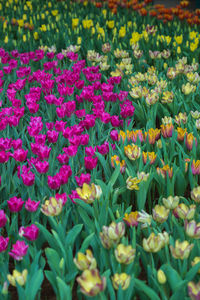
99	154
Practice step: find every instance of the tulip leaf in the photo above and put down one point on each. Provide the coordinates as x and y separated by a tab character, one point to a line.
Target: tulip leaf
53	259
52	279
64	289
48	236
86	242
140	285
72	235
104	165
35	284
115	175
86	219
173	277
192	272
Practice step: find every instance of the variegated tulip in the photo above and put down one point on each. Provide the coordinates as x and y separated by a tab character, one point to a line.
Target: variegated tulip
122	280
192	229
195	261
155	243
181	117
91	283
195	194
181	250
132	183
132	151
124	254
160	213
112	234
52	207
171	202
88	193
85	262
131	219
185	212
194	290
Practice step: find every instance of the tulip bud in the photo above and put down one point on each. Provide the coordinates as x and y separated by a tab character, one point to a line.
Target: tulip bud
185	212
195	261
85	262
161	277
122	280
132	151
124	254
132	183
192	229
52	207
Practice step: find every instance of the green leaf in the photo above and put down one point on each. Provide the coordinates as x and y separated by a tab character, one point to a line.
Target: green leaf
53	259
86	242
72	235
173	277
86	219
33	288
64	289
114	176
140	285
48	236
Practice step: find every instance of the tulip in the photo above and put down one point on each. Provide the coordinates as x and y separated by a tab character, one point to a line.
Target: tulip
195	261
181	250
181	133
192	229
111	235
155	243
190	141
167	130
185	212
151	156
194	290
195	194
90	162
3	218
160	213
132	151
131	219
89	193
31	205
85	262
20	155
132	183
171	202
52	207
19	250
181	117
3	243
122	280
144	218
30	232
18	277
161	277
84	178
91	283
124	254
15	204
116	160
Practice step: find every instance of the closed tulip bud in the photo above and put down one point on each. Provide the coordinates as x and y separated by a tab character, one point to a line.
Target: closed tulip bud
181	250
132	151
192	229
161	277
85	262
195	261
52	207
194	290
88	193
124	254
91	283
122	280
185	212
18	277
160	213
195	194
171	202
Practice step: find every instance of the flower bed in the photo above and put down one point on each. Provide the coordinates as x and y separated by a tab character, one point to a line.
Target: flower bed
99	154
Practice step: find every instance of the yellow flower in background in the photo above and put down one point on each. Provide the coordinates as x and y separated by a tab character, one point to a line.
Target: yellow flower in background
79	40
87	24
122	280
194	290
24	38
75	23
104	12
49	4
88	193
193	46
122	32
111	24
20	22
178	49
54	12
36	35
179	39
43	28
6	39
195	261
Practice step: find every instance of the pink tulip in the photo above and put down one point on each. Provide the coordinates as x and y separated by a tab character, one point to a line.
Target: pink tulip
3	218
30	232
15	204
31	205
90	162
19	250
3	243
